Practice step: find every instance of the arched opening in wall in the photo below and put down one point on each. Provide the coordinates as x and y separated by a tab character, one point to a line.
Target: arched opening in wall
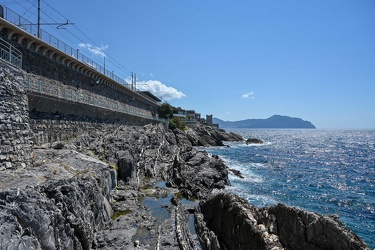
105	81
99	80
14	37
53	55
93	75
31	45
23	41
69	64
46	52
58	58
39	48
4	32
86	71
75	67
64	61
79	68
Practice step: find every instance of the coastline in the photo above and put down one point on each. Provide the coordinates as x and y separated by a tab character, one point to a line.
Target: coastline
118	169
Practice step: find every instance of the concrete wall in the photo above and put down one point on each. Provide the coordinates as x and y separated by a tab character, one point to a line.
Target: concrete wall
15	139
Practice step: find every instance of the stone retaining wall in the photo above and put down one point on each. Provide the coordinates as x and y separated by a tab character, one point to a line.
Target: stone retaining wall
41	65
49	128
27	119
15	140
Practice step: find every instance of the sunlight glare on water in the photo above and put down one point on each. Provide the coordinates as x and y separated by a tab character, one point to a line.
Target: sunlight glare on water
325	171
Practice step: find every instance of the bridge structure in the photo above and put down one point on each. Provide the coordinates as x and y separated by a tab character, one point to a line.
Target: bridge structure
57	76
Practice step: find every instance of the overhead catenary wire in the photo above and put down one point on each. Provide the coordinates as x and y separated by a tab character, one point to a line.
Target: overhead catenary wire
119	65
55	16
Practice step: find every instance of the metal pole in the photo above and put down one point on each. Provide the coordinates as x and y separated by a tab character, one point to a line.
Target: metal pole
132	82
135	81
10	54
38	18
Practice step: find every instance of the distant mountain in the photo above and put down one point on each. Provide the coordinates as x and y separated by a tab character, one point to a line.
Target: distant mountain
275	121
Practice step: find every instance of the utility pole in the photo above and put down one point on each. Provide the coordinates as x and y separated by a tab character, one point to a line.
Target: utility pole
38	18
135	82
132	81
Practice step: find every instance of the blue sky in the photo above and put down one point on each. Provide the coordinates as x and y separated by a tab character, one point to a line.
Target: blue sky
312	59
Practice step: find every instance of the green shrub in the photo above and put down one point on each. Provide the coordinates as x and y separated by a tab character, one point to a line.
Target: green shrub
176	122
165	111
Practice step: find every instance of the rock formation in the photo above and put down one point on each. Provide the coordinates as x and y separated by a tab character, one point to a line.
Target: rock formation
229	222
92	192
253	141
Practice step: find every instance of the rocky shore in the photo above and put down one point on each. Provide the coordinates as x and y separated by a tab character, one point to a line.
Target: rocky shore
128	187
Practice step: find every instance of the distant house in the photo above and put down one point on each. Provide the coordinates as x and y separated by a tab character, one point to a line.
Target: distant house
179	112
191	115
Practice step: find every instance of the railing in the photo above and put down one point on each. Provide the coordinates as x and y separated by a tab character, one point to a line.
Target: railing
31	28
10	54
60	91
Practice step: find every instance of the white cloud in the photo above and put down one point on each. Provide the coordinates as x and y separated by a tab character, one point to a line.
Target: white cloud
160	90
94	49
250	95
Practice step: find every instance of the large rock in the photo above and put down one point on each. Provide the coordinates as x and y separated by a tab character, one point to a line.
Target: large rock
197	174
140	153
62	215
300	229
205	136
235	224
254	141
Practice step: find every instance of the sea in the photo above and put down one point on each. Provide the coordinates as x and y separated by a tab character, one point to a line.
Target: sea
324	171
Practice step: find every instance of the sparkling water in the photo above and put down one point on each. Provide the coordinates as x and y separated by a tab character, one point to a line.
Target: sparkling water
324	171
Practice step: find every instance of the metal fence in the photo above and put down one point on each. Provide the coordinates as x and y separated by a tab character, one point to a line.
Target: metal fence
31	28
68	93
10	54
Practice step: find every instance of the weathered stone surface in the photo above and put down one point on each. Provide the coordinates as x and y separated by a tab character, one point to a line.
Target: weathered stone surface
194	172
15	139
253	141
56	215
301	229
205	136
67	198
235	224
